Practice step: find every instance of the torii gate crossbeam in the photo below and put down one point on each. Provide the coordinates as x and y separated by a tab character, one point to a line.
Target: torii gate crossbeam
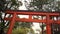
47	21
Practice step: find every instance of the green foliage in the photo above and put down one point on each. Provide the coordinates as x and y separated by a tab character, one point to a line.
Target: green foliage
37	4
21	31
2	2
5	5
23	24
15	3
16	25
44	5
26	24
22	28
58	6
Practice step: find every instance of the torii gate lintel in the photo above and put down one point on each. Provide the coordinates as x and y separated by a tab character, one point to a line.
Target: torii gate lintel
47	21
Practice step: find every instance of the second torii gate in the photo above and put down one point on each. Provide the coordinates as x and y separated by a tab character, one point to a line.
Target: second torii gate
47	21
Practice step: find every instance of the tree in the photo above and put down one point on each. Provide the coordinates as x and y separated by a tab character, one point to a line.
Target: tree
52	6
23	24
26	24
23	28
20	30
37	4
43	5
5	5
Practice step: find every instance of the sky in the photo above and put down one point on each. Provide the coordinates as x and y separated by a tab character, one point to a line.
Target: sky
23	6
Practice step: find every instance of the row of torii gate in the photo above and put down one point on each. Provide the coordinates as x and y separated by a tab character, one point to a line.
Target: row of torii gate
47	21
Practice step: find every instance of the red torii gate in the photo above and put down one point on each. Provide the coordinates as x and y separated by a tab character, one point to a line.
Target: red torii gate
47	21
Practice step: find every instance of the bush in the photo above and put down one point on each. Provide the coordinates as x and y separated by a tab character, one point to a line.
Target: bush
20	31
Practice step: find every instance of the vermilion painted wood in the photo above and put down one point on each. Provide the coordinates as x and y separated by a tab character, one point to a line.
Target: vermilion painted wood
34	13
11	24
47	21
32	20
48	29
